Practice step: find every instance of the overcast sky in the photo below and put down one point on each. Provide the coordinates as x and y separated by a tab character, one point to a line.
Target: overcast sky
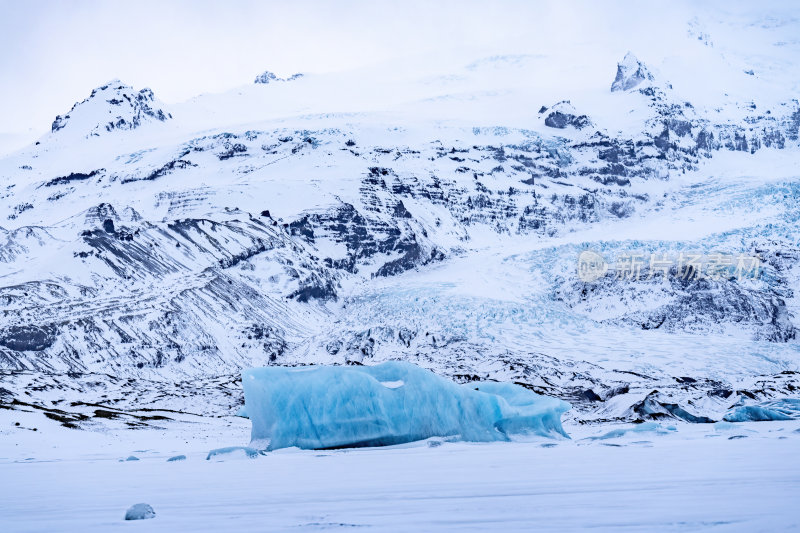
52	53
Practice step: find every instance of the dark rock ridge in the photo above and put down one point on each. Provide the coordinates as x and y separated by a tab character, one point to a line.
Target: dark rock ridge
563	114
74	176
27	338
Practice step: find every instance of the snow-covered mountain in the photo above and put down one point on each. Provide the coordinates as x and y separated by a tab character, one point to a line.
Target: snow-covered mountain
364	216
113	106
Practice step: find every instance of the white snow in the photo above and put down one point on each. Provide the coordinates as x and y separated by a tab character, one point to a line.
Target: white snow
734	477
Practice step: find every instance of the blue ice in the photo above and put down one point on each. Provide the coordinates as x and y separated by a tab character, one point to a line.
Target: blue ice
391	403
783	409
644	427
233	451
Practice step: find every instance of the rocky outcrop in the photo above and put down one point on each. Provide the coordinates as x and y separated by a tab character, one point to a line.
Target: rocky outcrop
268	77
630	74
562	115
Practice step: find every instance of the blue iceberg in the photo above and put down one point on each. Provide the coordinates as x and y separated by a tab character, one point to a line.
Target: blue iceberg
783	409
392	403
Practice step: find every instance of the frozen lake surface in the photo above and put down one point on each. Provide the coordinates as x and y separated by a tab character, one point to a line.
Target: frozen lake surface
722	477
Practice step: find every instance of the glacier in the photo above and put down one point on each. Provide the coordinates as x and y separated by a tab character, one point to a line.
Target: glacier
391	403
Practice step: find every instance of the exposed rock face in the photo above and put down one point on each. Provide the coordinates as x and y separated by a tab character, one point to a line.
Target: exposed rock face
630	73
27	338
563	114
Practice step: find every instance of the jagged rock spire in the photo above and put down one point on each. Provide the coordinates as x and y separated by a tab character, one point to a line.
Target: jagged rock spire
630	73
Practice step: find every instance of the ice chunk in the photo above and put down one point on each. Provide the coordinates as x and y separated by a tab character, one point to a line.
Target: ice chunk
725	426
391	403
654	427
783	409
176	458
233	452
140	511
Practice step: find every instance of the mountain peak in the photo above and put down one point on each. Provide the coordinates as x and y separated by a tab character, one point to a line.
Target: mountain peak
269	77
630	73
112	106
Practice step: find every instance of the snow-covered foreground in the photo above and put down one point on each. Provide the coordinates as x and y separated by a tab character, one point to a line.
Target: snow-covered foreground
722	477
